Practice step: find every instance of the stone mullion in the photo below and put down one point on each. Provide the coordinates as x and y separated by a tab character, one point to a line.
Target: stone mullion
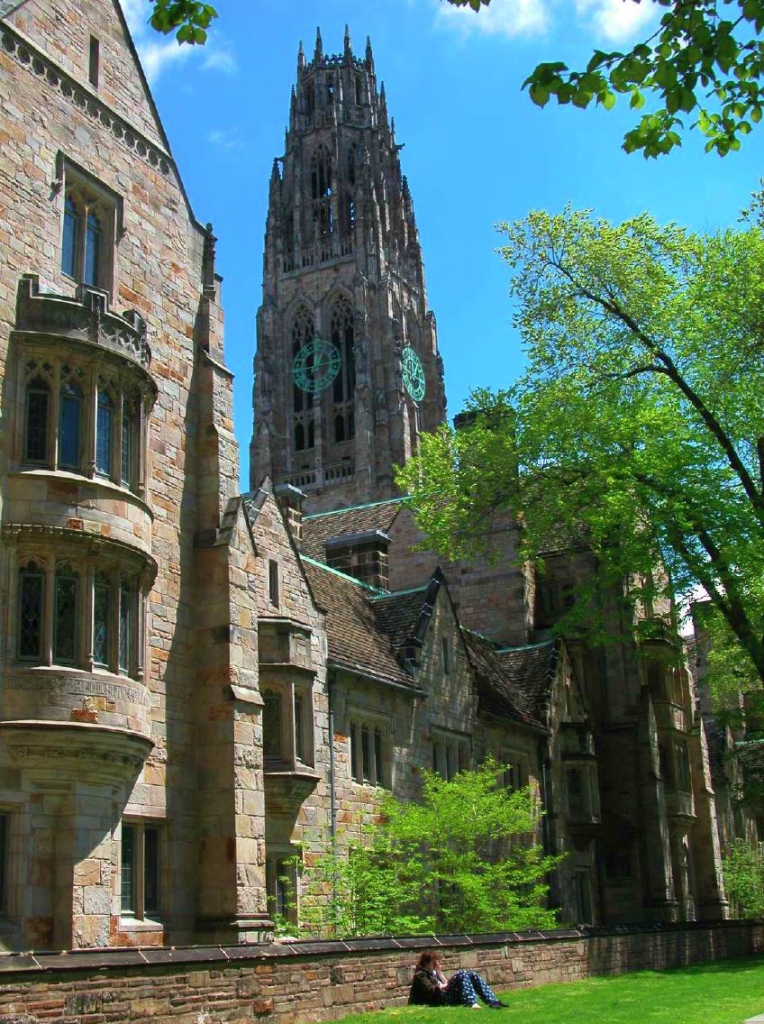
141	612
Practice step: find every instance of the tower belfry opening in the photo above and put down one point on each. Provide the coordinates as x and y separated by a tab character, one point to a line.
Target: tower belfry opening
347	369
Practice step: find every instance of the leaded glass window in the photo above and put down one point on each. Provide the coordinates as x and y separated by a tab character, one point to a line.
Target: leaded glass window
65	597
126	615
272	745
93	246
36	422
69	426
31	607
129	430
69	241
104	430
101	631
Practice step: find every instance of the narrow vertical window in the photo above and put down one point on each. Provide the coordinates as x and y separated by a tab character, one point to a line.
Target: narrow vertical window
104	425
101	631
93	244
272	746
127	874
69	426
299	727
150	870
65	596
70	239
126	614
366	754
445	656
355	769
129	421
273	583
31	597
140	870
342	335
379	766
36	421
302	332
94	60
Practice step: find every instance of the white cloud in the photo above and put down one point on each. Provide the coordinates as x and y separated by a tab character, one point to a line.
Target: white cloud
616	21
613	21
158	53
508	18
220	58
225	138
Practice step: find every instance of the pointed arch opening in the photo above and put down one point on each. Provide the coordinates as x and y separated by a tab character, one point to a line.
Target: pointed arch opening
303	425
342	336
321	192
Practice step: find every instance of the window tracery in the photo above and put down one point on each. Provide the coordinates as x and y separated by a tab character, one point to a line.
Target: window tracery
321	192
342	335
65	610
99	422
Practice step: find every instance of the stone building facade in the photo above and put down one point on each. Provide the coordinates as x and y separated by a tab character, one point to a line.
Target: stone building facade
196	684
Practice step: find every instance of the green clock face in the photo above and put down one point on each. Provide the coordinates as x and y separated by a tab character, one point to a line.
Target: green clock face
413	373
316	365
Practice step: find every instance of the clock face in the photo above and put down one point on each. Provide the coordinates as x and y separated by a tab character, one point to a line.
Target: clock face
413	374
316	365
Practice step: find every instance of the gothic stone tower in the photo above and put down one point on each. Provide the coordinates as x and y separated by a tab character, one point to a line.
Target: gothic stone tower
347	371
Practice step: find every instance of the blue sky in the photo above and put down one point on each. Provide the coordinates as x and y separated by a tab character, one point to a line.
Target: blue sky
476	150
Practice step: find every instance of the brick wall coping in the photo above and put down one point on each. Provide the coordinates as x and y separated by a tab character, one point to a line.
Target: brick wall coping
36	963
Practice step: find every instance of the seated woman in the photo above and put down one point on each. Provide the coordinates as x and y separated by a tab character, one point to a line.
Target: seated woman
430	986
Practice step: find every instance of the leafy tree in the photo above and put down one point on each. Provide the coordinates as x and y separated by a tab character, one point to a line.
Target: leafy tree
464	859
705	59
638	428
744	879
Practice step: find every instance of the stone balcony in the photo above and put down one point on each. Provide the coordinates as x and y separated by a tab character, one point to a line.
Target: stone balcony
86	319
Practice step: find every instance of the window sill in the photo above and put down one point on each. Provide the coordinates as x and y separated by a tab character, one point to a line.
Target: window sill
137	924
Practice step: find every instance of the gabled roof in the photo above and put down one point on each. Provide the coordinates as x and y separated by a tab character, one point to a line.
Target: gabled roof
323	526
359	640
513	683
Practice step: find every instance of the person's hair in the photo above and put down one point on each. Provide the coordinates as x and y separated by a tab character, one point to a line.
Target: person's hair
426	960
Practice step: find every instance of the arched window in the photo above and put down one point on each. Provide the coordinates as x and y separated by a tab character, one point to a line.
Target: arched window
65	602
31	611
93	247
101	620
70	415
36	421
104	432
321	191
310	99
352	163
343	338
304	429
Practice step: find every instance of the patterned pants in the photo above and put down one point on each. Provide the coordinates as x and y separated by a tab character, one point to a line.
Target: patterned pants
464	987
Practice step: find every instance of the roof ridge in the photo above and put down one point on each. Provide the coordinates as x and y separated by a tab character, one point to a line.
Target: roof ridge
355	508
343	575
400	593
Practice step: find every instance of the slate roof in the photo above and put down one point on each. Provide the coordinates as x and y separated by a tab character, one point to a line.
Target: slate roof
323	526
512	682
358	638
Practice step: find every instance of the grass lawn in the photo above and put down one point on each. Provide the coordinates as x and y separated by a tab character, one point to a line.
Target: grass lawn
725	992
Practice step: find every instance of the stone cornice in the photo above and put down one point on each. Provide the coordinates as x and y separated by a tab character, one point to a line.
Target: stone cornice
27	55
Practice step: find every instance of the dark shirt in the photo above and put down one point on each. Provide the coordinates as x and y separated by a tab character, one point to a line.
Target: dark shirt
425	990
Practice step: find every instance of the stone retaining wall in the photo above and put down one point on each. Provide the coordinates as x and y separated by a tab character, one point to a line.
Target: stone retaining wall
301	982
